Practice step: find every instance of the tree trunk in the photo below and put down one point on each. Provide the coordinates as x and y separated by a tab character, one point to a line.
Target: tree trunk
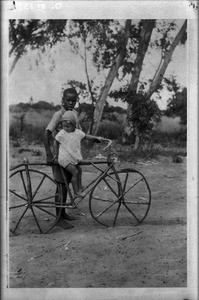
17	57
159	76
89	88
137	140
145	37
156	81
109	80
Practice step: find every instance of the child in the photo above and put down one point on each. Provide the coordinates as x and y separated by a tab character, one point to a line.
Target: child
69	150
68	102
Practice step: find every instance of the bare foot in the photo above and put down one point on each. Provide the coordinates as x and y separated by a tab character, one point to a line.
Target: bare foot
68	217
81	188
71	205
64	224
80	195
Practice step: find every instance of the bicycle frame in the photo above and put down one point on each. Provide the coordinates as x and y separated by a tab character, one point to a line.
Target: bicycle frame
110	165
49	200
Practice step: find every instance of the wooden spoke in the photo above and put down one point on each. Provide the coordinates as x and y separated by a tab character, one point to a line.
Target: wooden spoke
39	185
23	181
107	208
19	196
131	212
20	219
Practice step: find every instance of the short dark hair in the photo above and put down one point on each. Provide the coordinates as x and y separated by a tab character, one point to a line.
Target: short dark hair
69	91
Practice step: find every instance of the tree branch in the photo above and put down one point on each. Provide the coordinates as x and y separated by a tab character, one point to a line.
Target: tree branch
168	54
145	36
17	57
89	84
158	68
110	78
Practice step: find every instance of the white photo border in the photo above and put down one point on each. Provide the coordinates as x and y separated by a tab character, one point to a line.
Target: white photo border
105	10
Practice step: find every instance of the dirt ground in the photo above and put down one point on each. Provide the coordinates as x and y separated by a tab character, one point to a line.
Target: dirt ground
153	254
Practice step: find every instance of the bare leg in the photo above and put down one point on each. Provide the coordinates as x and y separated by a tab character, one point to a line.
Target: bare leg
63	215
63	192
79	178
74	180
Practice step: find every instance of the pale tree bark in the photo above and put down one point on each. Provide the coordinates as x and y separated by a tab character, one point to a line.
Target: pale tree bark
167	58
17	57
110	78
19	50
89	87
129	126
145	37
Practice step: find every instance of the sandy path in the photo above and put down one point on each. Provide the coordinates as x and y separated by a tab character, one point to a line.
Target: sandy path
150	255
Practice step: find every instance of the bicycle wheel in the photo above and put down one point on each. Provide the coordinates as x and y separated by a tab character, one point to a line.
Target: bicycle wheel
32	200
103	201
135	196
125	198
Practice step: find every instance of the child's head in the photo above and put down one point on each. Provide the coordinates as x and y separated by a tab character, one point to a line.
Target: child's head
69	99
69	121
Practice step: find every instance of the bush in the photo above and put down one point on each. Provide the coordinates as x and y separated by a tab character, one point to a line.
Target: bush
110	130
170	138
42	105
36	153
16	143
145	151
34	134
14	132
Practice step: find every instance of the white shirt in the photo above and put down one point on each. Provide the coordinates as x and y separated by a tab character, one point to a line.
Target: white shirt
70	147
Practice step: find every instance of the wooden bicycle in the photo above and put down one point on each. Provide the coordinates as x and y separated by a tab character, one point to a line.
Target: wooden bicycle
114	195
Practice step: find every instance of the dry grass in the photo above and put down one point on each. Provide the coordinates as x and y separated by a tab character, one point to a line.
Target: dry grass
29	128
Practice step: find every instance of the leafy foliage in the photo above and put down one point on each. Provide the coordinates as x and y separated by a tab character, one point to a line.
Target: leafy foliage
80	87
99	42
24	107
110	129
42	105
163	35
34	33
143	112
100	37
177	104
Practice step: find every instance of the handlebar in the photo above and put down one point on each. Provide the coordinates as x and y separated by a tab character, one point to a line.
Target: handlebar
109	143
25	161
103	139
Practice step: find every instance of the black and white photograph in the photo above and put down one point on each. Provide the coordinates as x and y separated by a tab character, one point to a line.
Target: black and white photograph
99	149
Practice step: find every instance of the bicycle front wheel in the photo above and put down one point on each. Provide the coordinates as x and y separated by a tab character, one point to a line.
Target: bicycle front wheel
135	196
104	202
124	197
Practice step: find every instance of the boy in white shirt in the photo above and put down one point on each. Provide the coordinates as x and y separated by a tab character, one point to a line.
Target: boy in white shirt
68	102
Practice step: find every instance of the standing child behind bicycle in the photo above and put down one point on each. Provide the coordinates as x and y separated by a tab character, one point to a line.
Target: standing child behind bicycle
68	151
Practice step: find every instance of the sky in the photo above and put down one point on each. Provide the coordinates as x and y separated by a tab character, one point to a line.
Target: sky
36	80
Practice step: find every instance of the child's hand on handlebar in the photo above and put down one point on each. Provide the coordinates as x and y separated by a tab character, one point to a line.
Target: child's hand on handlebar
97	139
109	143
100	139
